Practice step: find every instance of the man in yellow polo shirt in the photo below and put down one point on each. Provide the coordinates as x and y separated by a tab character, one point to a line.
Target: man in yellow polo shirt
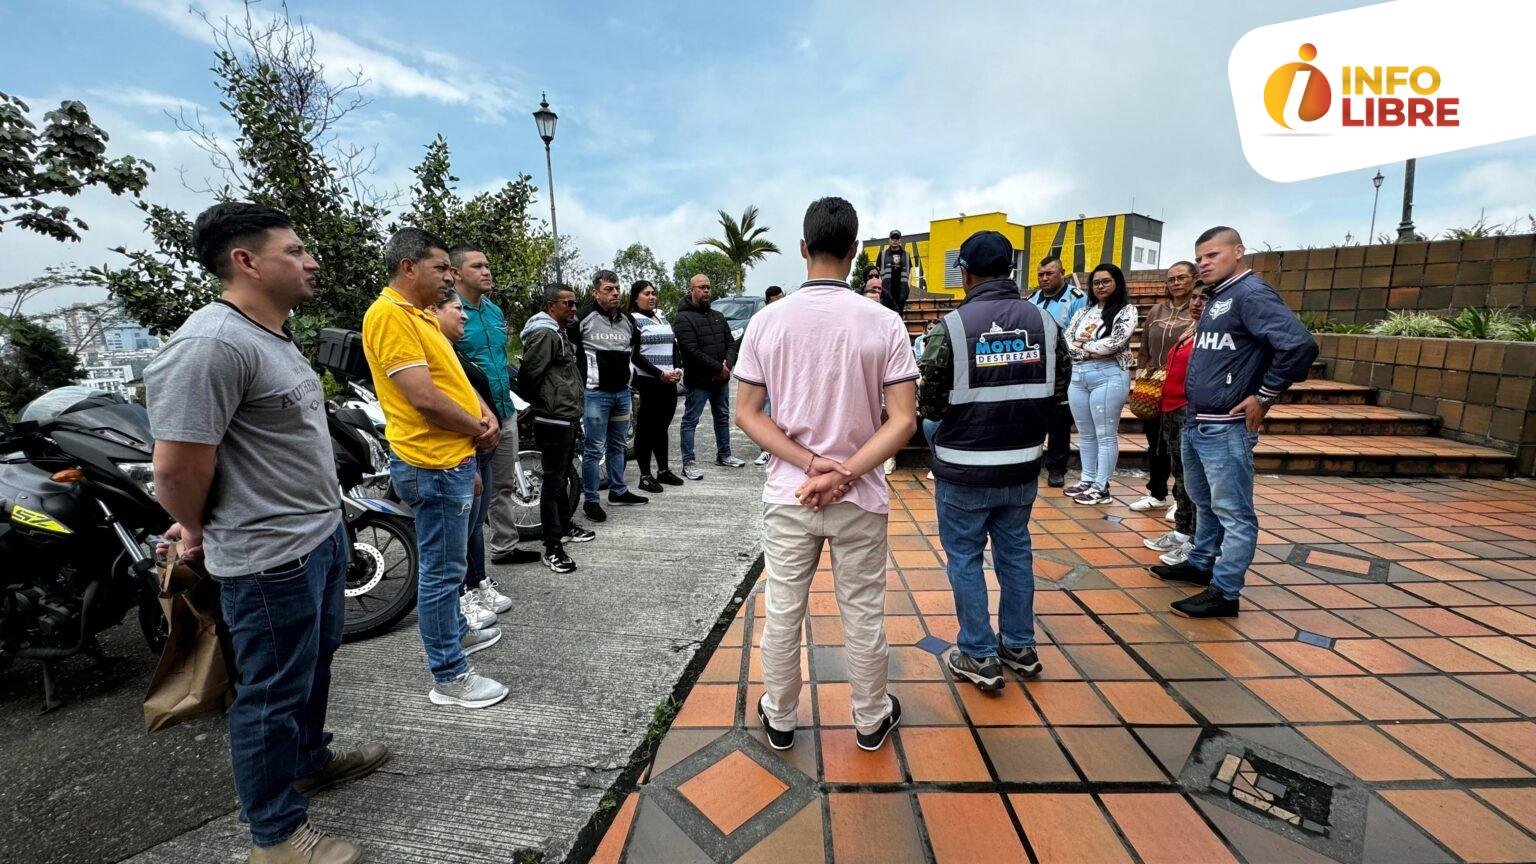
434	421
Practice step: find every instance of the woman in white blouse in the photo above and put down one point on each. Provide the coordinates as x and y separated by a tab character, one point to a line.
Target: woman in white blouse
1099	342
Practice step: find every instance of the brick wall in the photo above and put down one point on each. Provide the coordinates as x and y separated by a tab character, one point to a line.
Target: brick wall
1362	283
1483	392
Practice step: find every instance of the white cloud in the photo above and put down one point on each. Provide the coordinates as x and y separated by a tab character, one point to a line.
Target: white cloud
437	77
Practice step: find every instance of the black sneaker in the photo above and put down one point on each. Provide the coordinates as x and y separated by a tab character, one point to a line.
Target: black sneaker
1185	572
986	673
594	511
558	561
578	535
1209	603
626	499
666	477
649	484
1056	479
1021	660
777	738
516	556
876	739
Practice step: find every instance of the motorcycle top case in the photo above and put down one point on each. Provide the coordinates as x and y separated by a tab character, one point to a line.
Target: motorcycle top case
342	351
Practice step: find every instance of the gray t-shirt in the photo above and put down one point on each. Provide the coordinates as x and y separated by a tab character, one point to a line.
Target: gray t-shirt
224	379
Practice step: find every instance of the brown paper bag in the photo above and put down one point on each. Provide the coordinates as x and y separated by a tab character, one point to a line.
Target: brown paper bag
194	676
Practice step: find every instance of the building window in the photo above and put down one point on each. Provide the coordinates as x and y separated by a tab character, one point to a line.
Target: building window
1139	253
1151	257
952	270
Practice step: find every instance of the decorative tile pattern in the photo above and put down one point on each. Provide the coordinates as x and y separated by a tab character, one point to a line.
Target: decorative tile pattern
1373	703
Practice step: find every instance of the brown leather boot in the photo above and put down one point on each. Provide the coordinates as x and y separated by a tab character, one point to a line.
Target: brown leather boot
307	846
350	765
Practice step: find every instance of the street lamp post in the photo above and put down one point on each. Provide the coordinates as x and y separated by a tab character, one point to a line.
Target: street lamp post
1375	181
545	119
1405	232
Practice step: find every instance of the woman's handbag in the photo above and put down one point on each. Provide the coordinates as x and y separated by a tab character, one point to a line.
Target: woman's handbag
1146	399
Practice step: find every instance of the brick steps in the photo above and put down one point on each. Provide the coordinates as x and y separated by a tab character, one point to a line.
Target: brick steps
1303	419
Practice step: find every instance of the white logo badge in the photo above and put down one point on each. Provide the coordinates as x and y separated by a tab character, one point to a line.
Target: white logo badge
1219	308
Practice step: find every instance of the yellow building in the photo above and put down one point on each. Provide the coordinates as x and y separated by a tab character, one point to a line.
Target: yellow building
1130	240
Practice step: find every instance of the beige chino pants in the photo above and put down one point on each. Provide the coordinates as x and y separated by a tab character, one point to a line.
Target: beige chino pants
792	541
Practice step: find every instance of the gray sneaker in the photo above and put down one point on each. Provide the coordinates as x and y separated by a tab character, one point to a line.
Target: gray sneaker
1166	543
984	672
691	471
479	640
730	462
762	458
1177	556
470	690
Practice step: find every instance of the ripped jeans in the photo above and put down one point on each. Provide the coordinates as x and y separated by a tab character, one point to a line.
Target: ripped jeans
1097	393
442	499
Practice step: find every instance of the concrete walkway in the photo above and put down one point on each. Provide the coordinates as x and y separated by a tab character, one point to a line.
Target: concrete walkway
588	656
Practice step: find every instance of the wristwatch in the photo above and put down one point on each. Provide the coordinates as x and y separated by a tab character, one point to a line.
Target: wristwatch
1264	399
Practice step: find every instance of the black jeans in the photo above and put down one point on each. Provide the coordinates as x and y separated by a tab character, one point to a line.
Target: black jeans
658	405
1058	440
1159	465
1172	428
557	447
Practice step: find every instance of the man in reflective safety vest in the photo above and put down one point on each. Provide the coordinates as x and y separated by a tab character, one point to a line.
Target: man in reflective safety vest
991	370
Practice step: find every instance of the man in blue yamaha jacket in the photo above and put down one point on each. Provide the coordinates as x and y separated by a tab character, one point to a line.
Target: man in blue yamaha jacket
1248	349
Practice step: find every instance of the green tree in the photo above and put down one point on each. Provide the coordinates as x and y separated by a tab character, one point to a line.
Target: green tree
742	242
722	272
285	155
636	262
66	157
517	244
32	362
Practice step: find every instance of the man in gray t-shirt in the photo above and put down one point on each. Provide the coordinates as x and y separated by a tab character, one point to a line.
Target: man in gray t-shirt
228	381
243	464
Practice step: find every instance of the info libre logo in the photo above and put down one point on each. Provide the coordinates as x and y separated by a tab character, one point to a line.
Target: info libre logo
1299	93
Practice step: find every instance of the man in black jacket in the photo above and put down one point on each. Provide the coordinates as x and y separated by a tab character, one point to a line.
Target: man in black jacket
708	353
893	266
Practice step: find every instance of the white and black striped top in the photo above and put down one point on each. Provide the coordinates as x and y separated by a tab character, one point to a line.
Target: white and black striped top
657	344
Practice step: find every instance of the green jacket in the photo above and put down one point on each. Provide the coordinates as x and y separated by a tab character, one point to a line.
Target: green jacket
936	358
550	376
485	344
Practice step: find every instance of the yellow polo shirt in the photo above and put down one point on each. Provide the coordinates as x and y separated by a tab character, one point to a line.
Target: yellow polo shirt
396	336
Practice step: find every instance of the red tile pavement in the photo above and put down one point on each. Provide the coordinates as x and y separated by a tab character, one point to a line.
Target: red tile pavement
1423	694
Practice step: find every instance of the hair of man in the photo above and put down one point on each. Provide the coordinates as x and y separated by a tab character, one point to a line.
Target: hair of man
233	224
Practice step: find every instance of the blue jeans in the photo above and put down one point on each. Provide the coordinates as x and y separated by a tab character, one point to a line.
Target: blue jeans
285	625
718	395
474	572
605	422
442	499
1218	474
1097	393
968	515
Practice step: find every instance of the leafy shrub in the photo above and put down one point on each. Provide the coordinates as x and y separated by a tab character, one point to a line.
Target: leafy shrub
1473	323
1420	324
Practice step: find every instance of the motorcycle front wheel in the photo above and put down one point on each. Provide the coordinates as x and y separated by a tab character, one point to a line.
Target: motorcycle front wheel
381	578
525	506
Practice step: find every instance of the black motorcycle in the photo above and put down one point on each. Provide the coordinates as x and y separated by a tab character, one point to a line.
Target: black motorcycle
79	521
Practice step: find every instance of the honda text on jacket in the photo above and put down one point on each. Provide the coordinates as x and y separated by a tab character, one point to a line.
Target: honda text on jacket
1248	344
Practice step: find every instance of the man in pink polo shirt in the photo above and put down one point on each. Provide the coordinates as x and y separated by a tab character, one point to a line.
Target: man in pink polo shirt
827	356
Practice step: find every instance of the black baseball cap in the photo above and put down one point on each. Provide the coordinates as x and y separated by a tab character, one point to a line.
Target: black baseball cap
895	232
986	253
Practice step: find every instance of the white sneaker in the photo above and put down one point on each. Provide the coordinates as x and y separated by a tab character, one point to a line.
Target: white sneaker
890	465
1177	556
762	459
1147	502
489	596
478	617
479	640
1172	514
470	690
1166	543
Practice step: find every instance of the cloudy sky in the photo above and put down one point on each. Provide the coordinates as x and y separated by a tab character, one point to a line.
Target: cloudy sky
669	112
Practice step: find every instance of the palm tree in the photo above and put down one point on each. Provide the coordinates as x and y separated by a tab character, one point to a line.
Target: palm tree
743	242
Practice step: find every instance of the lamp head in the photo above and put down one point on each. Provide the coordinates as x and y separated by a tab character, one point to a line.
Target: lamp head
545	119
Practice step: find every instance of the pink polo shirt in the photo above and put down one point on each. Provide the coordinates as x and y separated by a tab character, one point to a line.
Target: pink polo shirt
825	354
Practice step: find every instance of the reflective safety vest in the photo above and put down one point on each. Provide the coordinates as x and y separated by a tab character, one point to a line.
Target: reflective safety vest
1004	368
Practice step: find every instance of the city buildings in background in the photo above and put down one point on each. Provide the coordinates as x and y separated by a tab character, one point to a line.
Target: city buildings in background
1131	241
113	349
